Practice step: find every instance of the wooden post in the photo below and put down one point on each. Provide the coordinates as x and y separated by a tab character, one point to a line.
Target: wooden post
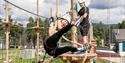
51	9
57	12
7	46
38	13
38	34
51	12
90	32
7	26
57	8
37	48
74	30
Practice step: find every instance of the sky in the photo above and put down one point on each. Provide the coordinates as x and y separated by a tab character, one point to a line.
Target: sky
107	11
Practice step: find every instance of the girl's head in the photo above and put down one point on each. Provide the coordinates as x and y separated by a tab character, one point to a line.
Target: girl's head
62	23
82	3
65	20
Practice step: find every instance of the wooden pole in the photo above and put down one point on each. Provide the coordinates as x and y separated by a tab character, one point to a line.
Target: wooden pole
38	13
7	32
90	32
38	34
57	12
74	30
7	46
57	8
51	12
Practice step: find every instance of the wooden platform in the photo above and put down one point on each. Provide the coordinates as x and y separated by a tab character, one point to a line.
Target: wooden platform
77	58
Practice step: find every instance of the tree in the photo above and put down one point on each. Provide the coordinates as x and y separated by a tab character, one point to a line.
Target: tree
16	33
2	31
31	35
99	33
44	31
122	25
1	27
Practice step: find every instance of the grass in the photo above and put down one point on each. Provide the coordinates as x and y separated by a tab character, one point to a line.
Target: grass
14	55
98	60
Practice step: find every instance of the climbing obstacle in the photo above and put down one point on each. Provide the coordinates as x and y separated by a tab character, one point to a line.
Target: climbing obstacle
78	58
86	57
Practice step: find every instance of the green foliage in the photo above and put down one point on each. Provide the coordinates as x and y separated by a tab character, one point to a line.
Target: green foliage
31	35
122	25
15	56
16	33
2	31
1	28
44	30
99	32
57	61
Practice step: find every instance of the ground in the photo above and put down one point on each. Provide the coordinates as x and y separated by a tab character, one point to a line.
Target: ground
14	55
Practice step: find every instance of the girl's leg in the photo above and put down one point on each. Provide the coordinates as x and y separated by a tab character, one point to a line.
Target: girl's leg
64	29
61	50
52	40
84	29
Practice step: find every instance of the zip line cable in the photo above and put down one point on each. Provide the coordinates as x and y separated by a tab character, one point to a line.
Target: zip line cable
24	9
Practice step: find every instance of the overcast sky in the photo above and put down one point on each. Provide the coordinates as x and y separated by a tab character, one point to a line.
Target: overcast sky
107	11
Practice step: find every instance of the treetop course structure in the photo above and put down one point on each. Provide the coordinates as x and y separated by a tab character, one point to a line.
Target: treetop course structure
72	58
78	58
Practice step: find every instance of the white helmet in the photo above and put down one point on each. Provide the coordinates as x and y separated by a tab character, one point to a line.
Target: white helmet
81	1
87	2
67	17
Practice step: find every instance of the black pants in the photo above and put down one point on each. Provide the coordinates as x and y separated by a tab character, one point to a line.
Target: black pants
51	43
84	28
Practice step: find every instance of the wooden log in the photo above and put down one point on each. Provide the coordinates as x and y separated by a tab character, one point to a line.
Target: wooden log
76	58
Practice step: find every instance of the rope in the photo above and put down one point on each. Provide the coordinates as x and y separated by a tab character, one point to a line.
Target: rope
85	57
24	9
71	41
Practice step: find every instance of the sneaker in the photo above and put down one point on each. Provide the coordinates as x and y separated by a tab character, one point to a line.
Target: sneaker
87	46
79	52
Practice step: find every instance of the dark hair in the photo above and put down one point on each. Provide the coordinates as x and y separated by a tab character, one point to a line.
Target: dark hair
51	19
65	19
